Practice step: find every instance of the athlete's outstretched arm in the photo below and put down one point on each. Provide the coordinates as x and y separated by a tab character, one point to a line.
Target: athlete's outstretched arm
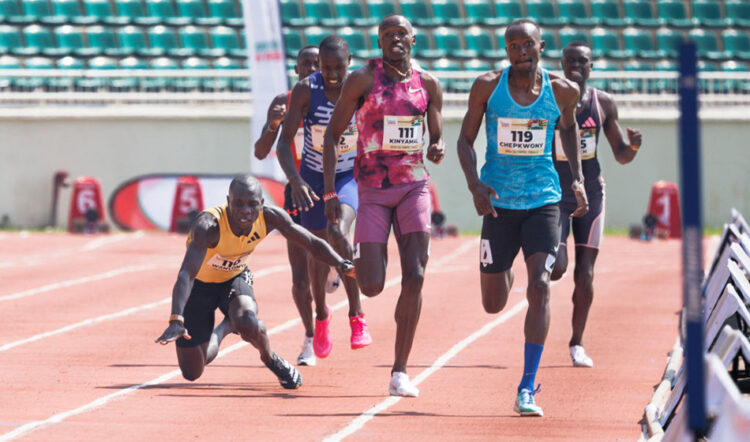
624	152
275	116
302	194
436	149
320	249
205	234
356	85
478	97
566	95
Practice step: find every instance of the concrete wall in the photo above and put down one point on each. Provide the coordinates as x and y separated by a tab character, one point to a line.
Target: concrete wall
117	149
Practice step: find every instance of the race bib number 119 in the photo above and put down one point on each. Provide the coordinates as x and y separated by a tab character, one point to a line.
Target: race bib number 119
521	137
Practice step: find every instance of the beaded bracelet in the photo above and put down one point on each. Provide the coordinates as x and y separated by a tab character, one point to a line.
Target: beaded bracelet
329	196
178	318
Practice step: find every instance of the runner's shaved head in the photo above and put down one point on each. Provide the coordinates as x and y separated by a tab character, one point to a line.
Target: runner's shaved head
246	182
334	44
524	25
395	20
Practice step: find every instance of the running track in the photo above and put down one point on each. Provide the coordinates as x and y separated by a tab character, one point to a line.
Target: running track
79	317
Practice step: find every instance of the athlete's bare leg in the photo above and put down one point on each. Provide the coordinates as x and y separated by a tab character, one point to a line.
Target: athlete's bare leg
561	263
318	272
583	294
495	290
338	237
413	249
537	293
370	265
301	286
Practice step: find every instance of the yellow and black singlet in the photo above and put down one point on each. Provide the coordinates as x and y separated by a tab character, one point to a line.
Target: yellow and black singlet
227	259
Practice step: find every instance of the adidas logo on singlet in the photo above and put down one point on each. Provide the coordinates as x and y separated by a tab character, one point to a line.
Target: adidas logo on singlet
589	123
255	237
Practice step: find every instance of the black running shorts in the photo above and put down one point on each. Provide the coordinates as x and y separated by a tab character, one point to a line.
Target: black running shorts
587	229
534	230
294	213
203	301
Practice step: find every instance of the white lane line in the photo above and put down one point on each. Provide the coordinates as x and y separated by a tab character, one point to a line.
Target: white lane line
104	240
365	417
59	417
79	281
120	314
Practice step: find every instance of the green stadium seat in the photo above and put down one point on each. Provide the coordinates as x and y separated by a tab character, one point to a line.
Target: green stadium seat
372	33
449	65
505	12
31	83
552	48
102	41
425	47
418	12
315	34
352	12
102	62
448	12
606	43
576	13
479	40
100	11
674	13
669	41
708	13
320	11
132	39
543	12
130	10
163	11
226	11
40	10
637	85
10	39
8	62
379	9
476	64
291	14
94	84
736	43
162	41
734	85
710	86
504	63
70	40
69	62
604	65
190	83
641	12
640	43
160	83
70	11
473	65
292	41
128	82
608	11
569	35
226	63
10	10
356	63
65	83
37	38
707	44
449	40
480	12
226	39
738	12
358	43
195	41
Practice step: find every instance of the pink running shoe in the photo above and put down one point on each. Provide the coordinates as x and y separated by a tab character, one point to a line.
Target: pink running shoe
360	336
322	342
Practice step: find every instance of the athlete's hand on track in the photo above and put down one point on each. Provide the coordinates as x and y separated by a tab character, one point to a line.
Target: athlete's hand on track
436	152
635	138
482	201
581	199
347	268
333	210
173	332
278	112
303	197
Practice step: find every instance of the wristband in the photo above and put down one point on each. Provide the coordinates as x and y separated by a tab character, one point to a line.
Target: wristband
329	196
178	318
634	148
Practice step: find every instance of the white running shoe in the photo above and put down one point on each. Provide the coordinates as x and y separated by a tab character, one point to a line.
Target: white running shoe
333	282
307	355
400	385
579	357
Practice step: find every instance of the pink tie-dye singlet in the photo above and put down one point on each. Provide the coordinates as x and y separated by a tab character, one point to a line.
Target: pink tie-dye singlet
391	131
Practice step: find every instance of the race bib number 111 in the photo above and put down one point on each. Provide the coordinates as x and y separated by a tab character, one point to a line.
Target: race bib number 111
521	137
404	133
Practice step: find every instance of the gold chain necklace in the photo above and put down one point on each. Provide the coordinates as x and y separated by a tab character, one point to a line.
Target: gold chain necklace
408	72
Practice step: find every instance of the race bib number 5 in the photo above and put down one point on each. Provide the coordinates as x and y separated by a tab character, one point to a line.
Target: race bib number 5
403	133
588	145
521	137
347	142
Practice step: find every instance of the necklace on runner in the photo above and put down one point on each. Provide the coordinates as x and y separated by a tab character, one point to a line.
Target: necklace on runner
407	73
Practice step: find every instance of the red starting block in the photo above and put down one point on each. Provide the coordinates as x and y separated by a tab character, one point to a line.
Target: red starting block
86	207
664	204
188	201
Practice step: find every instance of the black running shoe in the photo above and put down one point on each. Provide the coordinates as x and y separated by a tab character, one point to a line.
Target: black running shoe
289	377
